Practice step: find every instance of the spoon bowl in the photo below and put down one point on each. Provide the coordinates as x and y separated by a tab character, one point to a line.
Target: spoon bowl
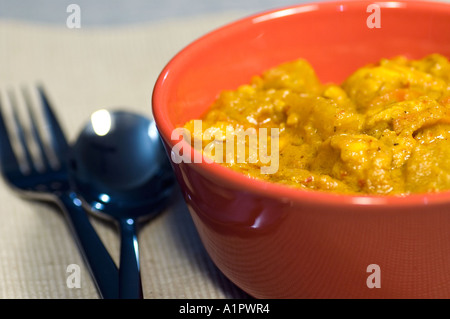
119	168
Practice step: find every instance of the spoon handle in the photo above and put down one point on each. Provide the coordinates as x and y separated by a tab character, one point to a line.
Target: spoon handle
130	286
101	266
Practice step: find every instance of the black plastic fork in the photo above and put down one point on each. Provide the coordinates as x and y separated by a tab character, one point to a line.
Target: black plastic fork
49	181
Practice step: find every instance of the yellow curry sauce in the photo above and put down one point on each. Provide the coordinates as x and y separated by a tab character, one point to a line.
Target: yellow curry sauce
384	130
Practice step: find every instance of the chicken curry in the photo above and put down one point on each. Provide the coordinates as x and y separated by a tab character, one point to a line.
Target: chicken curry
384	130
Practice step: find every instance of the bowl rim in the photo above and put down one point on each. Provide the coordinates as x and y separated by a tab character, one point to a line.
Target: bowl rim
231	178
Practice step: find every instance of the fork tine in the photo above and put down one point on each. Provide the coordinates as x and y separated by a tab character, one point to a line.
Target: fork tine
21	134
8	160
58	139
34	128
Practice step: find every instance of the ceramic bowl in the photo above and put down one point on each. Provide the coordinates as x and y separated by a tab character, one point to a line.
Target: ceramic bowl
277	242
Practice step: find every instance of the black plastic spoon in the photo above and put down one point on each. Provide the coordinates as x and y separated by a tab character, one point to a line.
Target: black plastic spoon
120	169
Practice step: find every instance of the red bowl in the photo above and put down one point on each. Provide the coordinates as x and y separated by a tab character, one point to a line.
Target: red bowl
278	242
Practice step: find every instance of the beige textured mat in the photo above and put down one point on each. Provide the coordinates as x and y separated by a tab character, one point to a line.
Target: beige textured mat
84	70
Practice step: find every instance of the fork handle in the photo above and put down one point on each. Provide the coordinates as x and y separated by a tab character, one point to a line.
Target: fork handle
101	266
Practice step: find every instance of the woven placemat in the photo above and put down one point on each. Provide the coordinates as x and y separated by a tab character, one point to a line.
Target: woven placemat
85	70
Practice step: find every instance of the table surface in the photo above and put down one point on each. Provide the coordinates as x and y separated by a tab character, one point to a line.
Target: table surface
122	12
113	60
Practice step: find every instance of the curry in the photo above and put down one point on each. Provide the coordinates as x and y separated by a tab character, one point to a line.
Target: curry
384	130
